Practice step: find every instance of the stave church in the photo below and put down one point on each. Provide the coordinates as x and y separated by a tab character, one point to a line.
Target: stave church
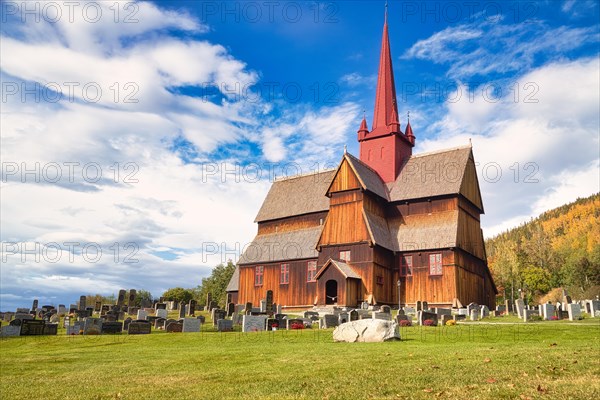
386	227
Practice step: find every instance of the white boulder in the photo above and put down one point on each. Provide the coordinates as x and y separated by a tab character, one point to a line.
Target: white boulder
366	330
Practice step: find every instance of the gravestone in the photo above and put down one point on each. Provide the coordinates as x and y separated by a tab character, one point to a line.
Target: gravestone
269	303
11	330
295	323
520	306
62	310
139	327
353	315
253	323
401	317
230	309
548	311
213	304
386	309
159	323
474	314
224	325
74	329
217	315
162	313
500	309
473	306
508	306
527	314
82	300
419	306
329	321
131	301
248	308
112	327
32	327
160	306
484	312
201	318
92	326
192	307
425	306
121	298
191	325
54	319
97	306
311	314
343	317
381	315
126	323
424	316
263	305
105	308
273	324
460	317
167	322
594	308
34	305
574	311
410	310
442	311
182	310
142	314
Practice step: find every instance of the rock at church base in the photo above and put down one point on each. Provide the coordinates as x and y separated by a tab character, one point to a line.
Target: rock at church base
366	330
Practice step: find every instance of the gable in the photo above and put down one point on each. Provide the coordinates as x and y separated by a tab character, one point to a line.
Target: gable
344	179
469	187
343	268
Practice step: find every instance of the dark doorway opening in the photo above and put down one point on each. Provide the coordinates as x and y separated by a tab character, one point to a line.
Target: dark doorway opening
331	294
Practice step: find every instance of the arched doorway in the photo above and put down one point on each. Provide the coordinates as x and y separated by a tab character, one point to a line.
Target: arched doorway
331	294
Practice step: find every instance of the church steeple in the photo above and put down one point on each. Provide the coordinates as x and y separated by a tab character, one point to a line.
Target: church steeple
386	108
385	147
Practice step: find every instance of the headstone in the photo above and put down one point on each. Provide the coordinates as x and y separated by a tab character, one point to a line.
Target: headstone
201	318
126	323
382	315
160	306
131	301
527	314
424	316
401	317
191	325
112	327
74	329
159	323
248	308
253	323
10	330
142	314
167	322
484	312
295	323
34	305
269	303
217	315
548	311
162	313
442	311
82	300
425	306
343	317
353	315
224	325
473	306
62	310
263	305
92	326
121	298
97	306
385	309
139	327
508	306
500	309
329	321
419	306
192	307
520	306
594	308
31	327
230	309
460	317
574	311
182	310
212	305
54	319
105	308
410	310
474	314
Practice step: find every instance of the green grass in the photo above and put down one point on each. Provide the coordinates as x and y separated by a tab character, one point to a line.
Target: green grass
552	360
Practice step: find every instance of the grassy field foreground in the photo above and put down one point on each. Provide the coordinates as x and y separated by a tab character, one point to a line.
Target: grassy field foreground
555	360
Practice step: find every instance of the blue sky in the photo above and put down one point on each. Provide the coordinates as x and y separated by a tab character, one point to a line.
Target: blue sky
188	109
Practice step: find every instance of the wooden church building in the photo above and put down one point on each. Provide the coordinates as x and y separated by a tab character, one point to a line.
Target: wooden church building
387	227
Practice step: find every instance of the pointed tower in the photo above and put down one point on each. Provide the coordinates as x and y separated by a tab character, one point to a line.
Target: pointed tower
385	147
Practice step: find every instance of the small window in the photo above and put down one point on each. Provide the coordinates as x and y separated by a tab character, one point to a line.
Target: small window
320	221
311	271
435	264
407	265
379	280
345	256
285	274
258	275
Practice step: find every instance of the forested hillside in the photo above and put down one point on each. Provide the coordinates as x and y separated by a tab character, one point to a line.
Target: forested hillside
560	248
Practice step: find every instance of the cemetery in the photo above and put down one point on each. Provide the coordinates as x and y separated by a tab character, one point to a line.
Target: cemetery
555	346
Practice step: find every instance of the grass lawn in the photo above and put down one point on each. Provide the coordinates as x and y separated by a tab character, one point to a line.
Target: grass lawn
510	360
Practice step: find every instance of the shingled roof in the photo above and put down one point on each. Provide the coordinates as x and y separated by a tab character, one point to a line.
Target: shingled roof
234	282
344	268
296	196
282	246
369	179
425	231
433	174
379	230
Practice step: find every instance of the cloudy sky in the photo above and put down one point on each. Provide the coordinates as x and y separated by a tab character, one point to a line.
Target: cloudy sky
138	139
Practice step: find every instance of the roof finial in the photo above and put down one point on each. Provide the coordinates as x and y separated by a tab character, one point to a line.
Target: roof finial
345	149
408	115
386	7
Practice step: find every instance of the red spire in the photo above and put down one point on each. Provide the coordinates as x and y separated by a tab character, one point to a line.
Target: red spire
409	133
363	130
385	99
